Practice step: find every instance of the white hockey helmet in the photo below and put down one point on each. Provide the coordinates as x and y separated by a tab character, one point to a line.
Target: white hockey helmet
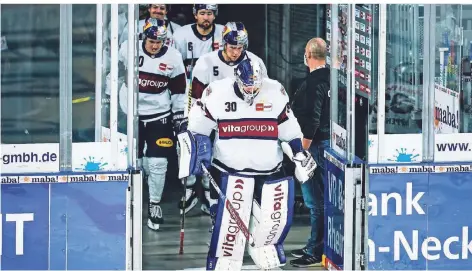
248	77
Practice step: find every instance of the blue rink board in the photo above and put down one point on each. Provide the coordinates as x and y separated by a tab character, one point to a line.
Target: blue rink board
334	183
75	226
445	198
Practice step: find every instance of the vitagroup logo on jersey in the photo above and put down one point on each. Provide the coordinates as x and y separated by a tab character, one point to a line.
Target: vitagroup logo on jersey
248	129
152	83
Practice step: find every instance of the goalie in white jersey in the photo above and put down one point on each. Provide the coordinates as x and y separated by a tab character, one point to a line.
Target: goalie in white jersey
211	67
159	12
251	116
162	84
204	36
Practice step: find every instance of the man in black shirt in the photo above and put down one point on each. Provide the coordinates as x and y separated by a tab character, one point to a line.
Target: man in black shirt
311	106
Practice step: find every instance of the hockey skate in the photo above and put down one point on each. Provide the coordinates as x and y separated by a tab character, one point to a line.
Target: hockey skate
190	200
154	216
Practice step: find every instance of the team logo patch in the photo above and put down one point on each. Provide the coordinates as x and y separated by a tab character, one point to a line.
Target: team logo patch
162	66
248	129
165	142
263	107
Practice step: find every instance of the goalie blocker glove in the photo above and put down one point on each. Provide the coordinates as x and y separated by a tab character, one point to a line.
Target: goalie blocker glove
195	150
305	165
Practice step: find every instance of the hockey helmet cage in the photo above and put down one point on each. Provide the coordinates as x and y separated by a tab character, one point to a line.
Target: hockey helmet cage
212	7
155	29
234	33
248	77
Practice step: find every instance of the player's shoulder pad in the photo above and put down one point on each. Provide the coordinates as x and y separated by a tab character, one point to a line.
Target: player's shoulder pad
251	55
175	25
173	51
217	90
276	89
181	31
219	28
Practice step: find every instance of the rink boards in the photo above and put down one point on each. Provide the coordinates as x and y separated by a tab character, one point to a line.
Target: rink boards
63	222
419	216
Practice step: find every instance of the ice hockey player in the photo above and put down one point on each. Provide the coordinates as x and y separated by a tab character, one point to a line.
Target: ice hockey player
162	84
211	67
201	37
220	64
159	11
251	115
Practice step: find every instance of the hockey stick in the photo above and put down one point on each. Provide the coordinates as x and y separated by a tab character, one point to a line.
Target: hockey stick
184	200
182	218
234	214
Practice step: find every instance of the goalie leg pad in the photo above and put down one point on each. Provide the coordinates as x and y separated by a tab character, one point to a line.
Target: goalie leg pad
227	241
195	149
271	220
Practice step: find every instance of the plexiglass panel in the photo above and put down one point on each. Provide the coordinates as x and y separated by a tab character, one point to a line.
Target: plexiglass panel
337	39
29	88
30	74
403	95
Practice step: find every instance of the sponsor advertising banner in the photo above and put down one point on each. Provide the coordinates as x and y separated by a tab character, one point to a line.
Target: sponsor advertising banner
338	139
44	158
63	222
334	213
30	158
407	148
419	217
446	110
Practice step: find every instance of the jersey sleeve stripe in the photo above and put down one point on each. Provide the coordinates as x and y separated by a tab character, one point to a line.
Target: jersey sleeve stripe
283	117
177	84
197	88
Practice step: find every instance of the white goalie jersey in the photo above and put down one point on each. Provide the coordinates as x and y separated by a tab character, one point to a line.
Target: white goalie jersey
247	136
212	66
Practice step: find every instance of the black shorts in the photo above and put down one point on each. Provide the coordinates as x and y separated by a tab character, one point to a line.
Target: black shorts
159	138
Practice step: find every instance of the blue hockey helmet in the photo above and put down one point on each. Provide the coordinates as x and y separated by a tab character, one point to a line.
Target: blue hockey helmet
155	29
212	7
234	33
248	77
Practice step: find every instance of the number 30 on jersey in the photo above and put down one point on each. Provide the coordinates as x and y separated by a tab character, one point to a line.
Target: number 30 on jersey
230	107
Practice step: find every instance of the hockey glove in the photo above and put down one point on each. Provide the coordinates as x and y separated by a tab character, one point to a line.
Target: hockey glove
305	166
179	122
195	150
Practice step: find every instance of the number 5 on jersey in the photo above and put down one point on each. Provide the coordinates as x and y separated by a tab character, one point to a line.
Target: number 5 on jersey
230	107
